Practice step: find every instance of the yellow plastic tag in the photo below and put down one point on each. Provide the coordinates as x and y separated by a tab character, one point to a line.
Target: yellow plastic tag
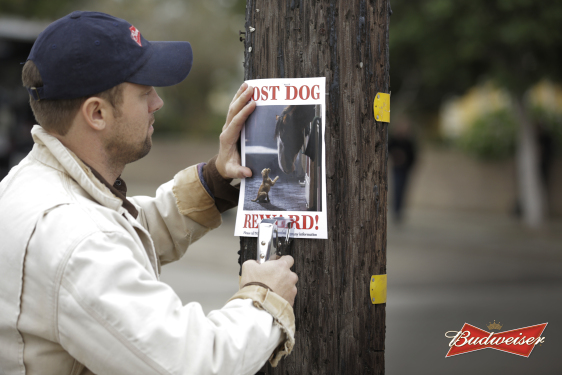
381	107
378	289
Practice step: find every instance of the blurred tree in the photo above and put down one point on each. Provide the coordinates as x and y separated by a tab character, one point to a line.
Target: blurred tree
490	137
52	9
441	47
447	46
198	105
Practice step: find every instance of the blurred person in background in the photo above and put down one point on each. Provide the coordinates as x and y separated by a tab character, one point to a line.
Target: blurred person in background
546	154
81	261
546	157
402	152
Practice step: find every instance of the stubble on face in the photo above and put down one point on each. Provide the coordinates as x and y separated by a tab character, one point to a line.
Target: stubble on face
121	148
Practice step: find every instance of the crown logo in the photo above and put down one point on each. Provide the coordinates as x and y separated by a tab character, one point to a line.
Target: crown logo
494	325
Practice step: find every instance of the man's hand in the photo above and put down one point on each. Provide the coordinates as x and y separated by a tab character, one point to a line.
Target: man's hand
228	161
276	274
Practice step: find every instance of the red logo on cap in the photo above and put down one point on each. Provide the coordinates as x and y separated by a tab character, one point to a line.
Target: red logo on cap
135	34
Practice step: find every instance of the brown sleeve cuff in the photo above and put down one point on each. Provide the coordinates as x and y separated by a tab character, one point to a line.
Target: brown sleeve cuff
226	195
193	200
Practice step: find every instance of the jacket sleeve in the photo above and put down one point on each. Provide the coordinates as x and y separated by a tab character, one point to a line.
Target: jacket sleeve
225	195
115	318
181	213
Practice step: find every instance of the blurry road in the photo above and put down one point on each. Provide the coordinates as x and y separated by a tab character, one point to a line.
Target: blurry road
448	268
444	269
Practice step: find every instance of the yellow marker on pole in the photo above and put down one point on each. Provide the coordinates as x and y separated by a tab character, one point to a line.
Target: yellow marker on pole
381	107
378	289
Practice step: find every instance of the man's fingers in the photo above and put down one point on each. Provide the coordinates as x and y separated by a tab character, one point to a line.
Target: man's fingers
237	105
231	132
242	88
276	274
238	171
242	96
295	277
242	100
244	172
288	259
249	262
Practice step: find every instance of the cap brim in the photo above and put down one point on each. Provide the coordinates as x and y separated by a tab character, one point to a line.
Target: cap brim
169	64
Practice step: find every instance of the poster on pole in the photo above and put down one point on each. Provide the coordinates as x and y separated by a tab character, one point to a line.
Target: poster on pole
282	143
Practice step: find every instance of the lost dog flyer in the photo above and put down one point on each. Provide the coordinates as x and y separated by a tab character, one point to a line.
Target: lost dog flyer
283	144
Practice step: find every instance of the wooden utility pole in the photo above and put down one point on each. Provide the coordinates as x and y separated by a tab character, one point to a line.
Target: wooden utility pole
339	331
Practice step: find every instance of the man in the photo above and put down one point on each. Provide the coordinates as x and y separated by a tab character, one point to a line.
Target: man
80	261
402	152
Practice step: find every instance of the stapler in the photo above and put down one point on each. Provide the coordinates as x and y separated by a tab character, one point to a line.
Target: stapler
274	238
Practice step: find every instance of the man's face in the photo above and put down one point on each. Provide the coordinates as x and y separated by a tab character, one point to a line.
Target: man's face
130	134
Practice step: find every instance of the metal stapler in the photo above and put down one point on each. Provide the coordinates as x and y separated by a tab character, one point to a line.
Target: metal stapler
274	237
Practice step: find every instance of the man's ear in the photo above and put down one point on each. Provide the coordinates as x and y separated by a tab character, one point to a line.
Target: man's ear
96	113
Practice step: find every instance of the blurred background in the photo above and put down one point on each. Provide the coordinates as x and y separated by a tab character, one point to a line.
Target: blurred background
475	161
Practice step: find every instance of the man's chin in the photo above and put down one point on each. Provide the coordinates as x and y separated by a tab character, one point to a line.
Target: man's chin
146	147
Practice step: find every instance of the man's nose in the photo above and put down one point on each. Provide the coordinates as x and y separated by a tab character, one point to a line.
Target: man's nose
156	102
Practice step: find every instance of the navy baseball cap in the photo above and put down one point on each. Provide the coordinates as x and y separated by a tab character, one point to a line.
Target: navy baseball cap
85	53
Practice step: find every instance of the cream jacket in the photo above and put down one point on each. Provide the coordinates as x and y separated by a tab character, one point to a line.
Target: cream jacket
79	290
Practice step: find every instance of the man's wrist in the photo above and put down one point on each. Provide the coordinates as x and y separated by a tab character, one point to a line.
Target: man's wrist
211	171
218	167
258	284
224	194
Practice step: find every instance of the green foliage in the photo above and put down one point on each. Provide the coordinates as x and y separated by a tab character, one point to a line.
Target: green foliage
491	137
444	47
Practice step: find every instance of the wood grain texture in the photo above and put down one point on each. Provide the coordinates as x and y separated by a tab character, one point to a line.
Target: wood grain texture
338	330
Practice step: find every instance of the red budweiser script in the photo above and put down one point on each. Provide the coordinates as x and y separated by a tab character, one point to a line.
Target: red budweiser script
517	341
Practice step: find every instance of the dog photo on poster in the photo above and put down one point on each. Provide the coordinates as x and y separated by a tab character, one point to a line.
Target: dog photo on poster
283	145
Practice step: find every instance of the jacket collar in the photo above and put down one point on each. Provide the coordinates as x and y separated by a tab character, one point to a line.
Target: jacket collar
119	189
50	151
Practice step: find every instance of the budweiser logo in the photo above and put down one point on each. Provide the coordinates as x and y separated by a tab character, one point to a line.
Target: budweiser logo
519	341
